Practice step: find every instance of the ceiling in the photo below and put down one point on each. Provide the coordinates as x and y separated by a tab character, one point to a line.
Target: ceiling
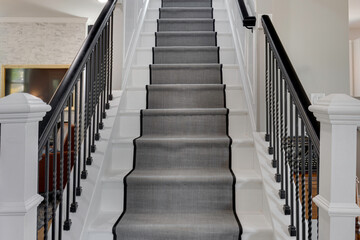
51	8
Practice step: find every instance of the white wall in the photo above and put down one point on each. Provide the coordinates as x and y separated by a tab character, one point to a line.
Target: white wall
315	35
40	41
133	16
118	32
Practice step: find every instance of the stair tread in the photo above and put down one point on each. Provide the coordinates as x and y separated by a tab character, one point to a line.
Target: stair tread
184	111
248	175
104	222
254	223
181	176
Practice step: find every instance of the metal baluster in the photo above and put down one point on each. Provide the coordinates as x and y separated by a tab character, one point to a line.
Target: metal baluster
111	55
74	204
310	157
267	135
67	224
61	173
103	77
93	100
286	207
274	161
291	228
81	135
89	106
98	77
271	148
277	175
296	159
46	215
107	104
282	138
303	193
53	227
317	158
86	118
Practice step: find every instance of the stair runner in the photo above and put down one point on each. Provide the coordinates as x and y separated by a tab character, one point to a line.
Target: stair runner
182	186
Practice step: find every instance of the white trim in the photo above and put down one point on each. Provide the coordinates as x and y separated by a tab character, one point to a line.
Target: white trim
129	55
20	208
243	72
337	210
43	20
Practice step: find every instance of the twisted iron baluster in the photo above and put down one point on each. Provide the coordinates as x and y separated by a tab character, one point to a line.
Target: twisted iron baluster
303	194
310	192
277	116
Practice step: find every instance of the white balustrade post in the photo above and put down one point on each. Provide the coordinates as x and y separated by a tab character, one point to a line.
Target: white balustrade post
20	114
339	115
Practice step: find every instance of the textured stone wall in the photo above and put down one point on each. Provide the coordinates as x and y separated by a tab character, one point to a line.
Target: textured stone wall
40	43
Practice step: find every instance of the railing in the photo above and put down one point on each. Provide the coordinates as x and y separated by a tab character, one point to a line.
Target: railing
248	21
293	135
78	108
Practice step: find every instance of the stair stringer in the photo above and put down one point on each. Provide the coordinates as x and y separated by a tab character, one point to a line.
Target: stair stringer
278	219
248	82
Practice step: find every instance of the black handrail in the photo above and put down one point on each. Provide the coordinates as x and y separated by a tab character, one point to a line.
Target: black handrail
59	99
295	87
293	135
248	21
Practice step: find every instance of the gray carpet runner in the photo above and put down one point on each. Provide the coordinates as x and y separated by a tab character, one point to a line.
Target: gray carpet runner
182	186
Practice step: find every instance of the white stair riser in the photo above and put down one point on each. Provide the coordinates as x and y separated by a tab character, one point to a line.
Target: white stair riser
249	197
148	40
112	196
129	126
122	156
221	26
140	76
242	156
216	4
145	56
153	13
136	99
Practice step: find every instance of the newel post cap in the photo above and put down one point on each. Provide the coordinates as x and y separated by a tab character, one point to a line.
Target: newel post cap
337	109
22	107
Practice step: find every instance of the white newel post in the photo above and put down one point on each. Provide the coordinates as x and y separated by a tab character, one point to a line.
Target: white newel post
339	116
20	114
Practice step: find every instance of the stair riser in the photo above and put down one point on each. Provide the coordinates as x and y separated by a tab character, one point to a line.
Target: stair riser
112	197
185	40
249	197
187	3
189	13
215	4
220	26
184	125
239	126
223	40
242	156
183	155
145	57
140	76
169	197
185	55
153	14
185	98
136	99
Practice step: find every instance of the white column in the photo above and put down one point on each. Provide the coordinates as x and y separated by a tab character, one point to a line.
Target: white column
339	115
20	114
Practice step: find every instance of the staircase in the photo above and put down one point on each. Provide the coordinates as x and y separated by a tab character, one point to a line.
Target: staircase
185	89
